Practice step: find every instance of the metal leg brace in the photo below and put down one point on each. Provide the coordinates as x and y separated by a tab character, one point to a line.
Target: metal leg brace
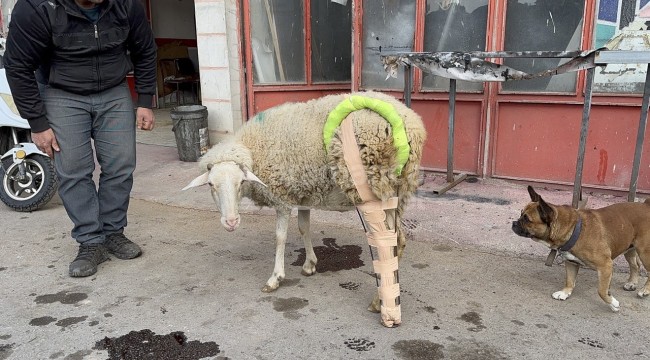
379	220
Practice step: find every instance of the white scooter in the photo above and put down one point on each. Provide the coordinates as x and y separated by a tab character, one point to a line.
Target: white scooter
27	175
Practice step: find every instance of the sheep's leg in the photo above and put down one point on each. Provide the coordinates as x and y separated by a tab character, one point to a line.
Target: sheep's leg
309	267
281	226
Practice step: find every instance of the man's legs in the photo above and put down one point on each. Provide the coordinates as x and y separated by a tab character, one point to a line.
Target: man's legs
97	215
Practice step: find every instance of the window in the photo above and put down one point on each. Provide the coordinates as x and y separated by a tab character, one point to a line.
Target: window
278	41
454	26
622	25
546	25
388	26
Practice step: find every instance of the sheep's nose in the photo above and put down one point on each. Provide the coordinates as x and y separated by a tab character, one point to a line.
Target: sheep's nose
232	223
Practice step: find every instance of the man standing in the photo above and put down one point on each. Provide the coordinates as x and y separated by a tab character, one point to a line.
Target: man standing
66	62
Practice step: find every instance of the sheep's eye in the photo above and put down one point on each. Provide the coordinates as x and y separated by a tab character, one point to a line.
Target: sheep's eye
210	183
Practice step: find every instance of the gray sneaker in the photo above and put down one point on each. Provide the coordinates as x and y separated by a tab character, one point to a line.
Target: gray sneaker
123	248
88	257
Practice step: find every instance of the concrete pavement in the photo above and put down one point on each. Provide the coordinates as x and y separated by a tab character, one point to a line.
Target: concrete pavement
471	289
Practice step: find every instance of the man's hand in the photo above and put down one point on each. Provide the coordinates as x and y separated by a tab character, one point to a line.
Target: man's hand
46	141
145	118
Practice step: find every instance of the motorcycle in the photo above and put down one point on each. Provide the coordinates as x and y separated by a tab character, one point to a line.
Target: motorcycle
28	177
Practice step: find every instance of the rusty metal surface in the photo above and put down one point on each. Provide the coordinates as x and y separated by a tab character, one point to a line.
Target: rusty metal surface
470	66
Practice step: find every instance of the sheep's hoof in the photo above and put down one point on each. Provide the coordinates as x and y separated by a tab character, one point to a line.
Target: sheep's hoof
268	289
309	269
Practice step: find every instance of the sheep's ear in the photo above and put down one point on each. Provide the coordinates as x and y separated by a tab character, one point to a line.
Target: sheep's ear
249	176
200	180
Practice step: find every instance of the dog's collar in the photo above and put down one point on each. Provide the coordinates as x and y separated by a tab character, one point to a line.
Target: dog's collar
574	237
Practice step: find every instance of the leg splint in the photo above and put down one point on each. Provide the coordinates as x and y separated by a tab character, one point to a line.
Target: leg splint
379	220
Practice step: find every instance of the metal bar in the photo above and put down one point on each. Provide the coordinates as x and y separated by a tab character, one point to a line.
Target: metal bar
501	54
622	57
586	110
408	78
639	138
450	139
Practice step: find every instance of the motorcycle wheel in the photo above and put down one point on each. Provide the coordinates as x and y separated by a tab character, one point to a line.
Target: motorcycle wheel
34	192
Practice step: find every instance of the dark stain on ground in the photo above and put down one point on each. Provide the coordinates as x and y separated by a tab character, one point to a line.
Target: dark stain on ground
470	198
350	285
63	297
71	321
290	282
542	326
79	355
7	337
473	317
93	323
592	343
144	344
442	248
430	309
520	323
3	268
418	350
359	344
5	351
42	321
290	304
332	257
474	350
420	266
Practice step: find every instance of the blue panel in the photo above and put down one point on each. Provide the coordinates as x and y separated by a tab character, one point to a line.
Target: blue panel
608	10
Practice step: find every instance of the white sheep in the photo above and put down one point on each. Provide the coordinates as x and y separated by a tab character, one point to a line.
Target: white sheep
278	159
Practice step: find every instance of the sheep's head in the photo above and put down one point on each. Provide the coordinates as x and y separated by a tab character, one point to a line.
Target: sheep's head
225	180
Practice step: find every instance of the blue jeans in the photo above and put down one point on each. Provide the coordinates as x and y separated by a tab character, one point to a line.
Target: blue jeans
108	118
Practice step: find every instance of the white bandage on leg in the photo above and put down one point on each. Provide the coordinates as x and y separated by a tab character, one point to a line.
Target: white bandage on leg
379	220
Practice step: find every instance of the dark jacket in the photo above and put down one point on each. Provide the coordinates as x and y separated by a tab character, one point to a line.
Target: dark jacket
69	52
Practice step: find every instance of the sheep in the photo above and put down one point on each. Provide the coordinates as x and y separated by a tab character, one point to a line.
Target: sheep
278	160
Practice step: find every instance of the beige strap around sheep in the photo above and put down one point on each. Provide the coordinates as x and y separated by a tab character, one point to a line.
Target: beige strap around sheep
379	219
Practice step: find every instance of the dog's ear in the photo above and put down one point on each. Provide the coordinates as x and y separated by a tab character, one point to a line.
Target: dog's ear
533	195
546	212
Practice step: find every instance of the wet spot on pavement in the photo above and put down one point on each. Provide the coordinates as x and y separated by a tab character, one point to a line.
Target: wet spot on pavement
42	321
3	268
290	282
79	355
590	342
474	350
517	322
420	266
470	198
542	326
6	350
418	350
350	285
145	344
93	323
6	337
332	257
290	304
107	315
359	344
57	355
71	321
430	309
473	317
442	248
63	297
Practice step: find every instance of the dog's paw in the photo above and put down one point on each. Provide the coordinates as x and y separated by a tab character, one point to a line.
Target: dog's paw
629	286
643	292
561	295
615	305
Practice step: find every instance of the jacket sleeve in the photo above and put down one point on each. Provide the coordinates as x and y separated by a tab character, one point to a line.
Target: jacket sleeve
142	48
28	43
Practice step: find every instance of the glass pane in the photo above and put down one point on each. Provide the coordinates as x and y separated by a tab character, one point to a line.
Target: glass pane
622	25
388	27
277	41
454	27
545	25
331	40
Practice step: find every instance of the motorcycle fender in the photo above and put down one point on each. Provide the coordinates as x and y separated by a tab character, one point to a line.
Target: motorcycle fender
11	156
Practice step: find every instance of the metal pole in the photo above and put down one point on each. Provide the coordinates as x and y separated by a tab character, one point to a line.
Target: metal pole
639	138
586	110
407	85
450	139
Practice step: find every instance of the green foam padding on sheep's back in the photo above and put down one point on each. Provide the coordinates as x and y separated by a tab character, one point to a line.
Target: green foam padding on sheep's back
386	110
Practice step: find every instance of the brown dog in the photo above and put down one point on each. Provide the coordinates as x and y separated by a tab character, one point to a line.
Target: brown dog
592	238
